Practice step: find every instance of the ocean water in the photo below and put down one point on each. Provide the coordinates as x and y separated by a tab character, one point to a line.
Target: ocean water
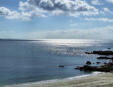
33	61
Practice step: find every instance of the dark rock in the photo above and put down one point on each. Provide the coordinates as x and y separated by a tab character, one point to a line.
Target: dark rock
103	68
88	62
104	58
101	52
105	63
87	52
87	68
98	62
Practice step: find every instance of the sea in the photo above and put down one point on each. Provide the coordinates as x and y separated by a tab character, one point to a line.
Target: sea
29	61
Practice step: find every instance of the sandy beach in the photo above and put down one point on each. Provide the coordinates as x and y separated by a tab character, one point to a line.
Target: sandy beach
100	80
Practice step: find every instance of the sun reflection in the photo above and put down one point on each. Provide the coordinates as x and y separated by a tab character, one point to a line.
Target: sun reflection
70	42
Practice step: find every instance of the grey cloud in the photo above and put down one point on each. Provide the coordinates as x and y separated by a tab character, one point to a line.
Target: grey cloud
44	8
65	5
73	7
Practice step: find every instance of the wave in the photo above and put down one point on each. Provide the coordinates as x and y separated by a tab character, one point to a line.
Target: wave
30	84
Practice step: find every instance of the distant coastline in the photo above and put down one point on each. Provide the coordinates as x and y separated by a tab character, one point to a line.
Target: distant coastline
17	40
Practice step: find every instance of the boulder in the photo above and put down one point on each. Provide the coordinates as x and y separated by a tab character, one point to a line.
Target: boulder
98	62
108	67
104	58
101	52
88	62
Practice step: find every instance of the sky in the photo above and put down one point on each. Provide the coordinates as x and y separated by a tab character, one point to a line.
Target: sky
56	19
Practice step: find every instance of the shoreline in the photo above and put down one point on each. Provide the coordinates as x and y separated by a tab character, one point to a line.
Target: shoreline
99	80
52	83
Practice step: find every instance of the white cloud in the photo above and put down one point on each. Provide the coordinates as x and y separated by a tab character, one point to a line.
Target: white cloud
23	15
100	33
58	7
107	10
94	33
110	1
99	19
8	13
96	2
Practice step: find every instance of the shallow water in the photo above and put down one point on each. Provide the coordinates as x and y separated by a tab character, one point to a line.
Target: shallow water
30	61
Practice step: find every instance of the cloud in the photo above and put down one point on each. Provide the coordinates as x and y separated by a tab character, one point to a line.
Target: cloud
99	19
107	10
110	1
58	7
43	8
100	33
65	5
96	2
8	13
94	33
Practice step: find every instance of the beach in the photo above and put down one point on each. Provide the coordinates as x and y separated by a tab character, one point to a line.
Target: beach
100	80
94	80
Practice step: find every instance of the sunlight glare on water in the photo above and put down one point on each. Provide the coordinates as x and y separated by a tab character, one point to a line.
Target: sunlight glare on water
70	42
68	46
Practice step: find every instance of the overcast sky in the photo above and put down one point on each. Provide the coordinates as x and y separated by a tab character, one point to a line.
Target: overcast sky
56	19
